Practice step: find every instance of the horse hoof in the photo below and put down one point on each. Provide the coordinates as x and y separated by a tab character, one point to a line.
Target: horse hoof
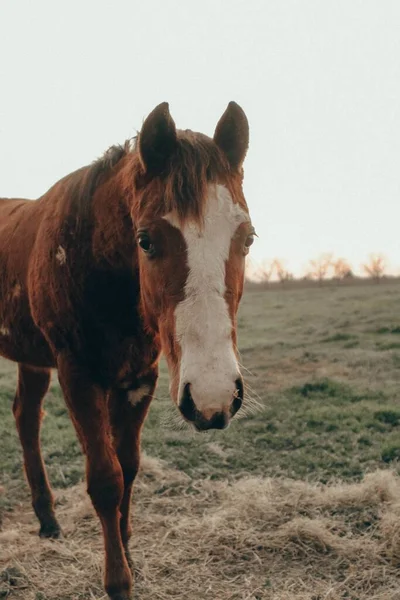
50	530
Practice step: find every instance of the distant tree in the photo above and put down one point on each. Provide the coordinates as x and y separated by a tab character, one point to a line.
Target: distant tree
375	267
281	271
265	271
341	269
320	266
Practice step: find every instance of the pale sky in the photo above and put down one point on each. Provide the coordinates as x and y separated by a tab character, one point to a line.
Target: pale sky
318	79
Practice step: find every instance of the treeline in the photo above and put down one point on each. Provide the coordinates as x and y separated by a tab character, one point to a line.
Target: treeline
324	267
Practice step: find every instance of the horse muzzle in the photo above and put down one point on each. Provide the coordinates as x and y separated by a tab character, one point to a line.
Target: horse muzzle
213	416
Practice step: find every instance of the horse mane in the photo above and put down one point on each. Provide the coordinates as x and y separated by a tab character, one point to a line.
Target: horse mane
84	182
182	187
105	164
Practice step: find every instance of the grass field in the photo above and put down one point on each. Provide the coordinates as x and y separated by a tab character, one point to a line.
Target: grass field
325	365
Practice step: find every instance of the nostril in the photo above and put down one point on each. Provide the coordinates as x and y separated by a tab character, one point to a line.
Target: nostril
187	406
237	397
219	421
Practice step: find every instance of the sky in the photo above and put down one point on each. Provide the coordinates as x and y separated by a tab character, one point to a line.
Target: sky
319	81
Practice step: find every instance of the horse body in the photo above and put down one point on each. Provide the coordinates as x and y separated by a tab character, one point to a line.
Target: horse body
18	232
117	262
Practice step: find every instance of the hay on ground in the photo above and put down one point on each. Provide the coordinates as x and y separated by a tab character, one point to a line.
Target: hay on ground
251	539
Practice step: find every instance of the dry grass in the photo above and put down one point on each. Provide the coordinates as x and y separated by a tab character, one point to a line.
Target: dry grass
250	539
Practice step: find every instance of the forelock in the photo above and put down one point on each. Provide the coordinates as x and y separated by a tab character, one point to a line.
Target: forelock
182	188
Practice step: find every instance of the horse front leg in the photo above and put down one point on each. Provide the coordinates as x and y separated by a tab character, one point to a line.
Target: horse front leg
88	406
128	410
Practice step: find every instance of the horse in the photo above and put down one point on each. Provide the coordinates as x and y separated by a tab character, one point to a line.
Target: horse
138	254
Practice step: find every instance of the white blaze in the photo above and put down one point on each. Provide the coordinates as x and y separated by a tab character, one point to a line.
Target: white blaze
202	321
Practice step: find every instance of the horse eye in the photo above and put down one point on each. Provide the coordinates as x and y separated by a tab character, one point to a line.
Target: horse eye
145	243
249	241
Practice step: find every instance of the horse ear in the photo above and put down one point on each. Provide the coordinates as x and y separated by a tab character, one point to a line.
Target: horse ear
232	134
157	139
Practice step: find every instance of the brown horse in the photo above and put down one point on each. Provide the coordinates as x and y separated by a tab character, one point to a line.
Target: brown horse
140	253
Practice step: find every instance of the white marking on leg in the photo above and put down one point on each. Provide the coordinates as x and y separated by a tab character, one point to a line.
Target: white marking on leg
4	331
61	255
136	396
203	323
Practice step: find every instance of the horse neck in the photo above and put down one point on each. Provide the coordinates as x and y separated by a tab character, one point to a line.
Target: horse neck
113	240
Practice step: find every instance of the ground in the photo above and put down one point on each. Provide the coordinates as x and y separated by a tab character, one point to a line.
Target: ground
255	512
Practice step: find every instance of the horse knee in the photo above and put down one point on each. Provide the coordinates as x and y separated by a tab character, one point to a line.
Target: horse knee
106	490
130	471
27	416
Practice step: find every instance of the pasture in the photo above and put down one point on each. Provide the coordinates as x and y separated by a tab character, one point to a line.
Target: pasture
298	501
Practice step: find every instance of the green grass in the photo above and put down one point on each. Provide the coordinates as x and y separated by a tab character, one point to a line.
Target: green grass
325	365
